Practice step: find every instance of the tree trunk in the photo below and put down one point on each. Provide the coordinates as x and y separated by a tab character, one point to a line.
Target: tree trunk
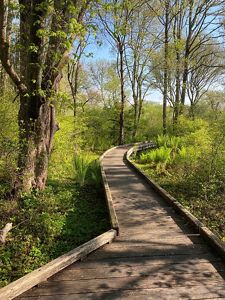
139	107
186	57
135	116
2	80
184	84
73	79
35	143
165	76
42	58
177	95
122	104
192	111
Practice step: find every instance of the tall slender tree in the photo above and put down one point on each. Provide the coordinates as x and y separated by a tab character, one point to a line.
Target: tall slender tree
141	41
114	16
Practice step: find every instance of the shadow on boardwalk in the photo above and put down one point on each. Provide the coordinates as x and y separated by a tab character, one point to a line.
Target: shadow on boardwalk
156	256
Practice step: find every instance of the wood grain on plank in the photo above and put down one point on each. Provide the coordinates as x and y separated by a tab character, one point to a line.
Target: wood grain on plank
206	269
28	281
157	255
115	284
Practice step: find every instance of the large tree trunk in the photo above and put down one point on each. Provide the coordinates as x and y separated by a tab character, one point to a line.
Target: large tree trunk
35	143
42	58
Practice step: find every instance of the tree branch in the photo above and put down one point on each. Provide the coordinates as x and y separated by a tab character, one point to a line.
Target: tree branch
5	48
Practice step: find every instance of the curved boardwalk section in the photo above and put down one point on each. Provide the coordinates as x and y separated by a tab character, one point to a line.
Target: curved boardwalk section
156	256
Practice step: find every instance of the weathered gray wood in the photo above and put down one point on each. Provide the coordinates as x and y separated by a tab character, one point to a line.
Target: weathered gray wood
207	234
109	201
141	251
75	273
134	283
195	293
154	257
154	260
28	281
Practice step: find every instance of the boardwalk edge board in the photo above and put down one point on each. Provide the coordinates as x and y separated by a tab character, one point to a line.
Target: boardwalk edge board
41	274
205	232
111	210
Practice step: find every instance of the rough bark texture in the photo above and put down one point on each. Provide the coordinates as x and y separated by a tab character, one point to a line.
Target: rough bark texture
36	138
42	57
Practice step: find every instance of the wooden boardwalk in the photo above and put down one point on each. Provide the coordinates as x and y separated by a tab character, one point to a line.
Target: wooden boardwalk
156	256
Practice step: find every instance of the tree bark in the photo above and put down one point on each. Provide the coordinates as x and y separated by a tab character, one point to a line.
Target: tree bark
135	125
42	58
178	24
165	76
186	57
122	102
73	76
2	80
35	144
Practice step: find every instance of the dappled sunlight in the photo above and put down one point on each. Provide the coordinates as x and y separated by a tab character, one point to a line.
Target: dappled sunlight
156	256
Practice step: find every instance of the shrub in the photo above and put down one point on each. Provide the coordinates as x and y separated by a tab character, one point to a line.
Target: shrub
94	173
159	157
161	140
87	169
81	164
166	141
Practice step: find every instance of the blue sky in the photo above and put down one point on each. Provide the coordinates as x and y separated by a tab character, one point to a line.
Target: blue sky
105	52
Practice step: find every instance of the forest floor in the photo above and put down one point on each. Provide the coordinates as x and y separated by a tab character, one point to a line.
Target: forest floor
46	225
50	223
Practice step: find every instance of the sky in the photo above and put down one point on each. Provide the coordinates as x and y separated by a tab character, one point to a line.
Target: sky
105	52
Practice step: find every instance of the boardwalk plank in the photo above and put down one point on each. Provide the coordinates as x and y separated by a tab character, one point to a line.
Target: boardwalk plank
194	293
131	283
156	256
206	269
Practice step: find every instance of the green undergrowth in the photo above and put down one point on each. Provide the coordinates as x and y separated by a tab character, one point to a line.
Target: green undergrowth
210	212
191	167
71	210
49	224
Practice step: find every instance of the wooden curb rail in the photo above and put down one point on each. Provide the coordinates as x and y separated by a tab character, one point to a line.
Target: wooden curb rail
28	281
205	232
111	210
112	213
